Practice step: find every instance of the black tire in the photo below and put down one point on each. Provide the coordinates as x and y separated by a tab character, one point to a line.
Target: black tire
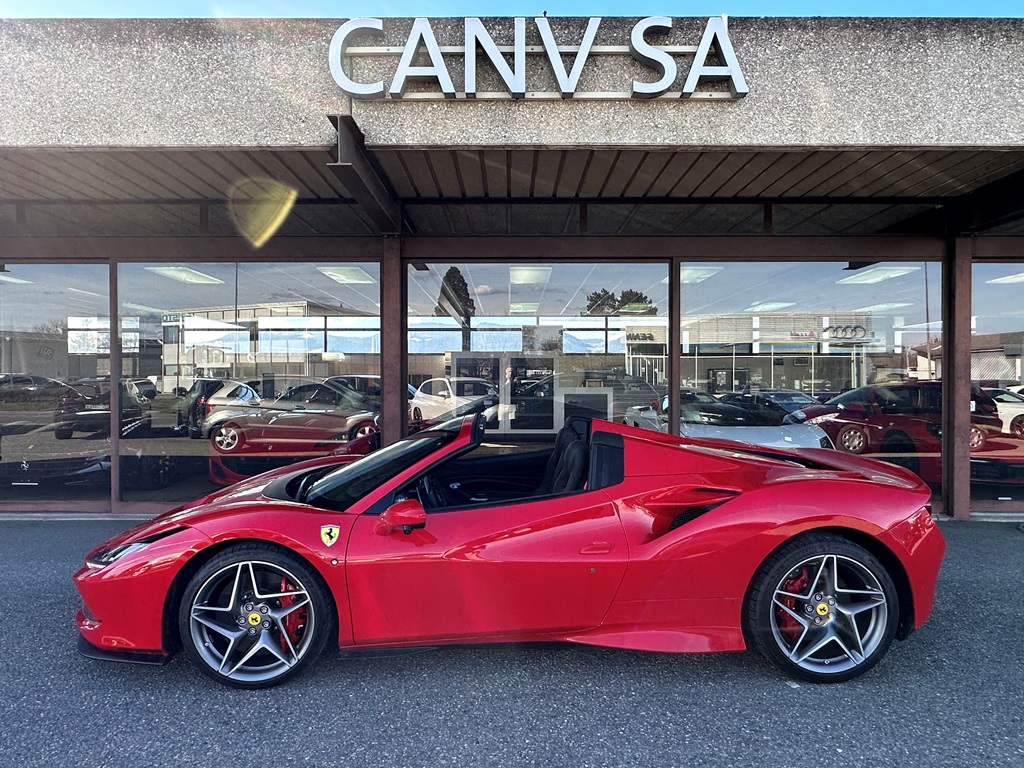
852	439
1017	426
417	414
900	443
63	433
157	472
796	604
288	636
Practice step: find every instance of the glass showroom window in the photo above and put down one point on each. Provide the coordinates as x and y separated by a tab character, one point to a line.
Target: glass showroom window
54	383
997	338
814	354
530	345
242	368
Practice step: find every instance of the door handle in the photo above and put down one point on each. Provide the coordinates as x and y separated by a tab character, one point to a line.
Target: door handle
597	548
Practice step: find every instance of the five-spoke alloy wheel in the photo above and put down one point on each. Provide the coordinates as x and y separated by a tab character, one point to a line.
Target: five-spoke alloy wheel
822	609
227	438
254	616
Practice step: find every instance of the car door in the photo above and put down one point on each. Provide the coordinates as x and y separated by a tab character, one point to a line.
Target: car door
308	417
515	569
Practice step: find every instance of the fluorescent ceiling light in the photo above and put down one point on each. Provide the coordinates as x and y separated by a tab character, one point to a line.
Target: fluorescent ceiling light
883	307
1017	278
186	275
86	293
529	275
12	279
876	275
635	307
691	275
348	275
523	308
769	306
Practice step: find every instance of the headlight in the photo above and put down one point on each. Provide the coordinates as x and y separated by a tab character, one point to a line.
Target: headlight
797	416
105	557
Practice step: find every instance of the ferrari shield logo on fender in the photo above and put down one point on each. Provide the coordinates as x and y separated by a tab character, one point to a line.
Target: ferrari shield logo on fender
329	534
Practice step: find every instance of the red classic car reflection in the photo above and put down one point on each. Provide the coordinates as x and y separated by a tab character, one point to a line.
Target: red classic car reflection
232	467
616	536
306	420
899	422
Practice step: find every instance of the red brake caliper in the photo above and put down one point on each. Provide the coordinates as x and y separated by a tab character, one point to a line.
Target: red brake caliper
786	623
294	621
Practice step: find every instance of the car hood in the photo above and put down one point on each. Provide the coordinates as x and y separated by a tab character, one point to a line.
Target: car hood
717	411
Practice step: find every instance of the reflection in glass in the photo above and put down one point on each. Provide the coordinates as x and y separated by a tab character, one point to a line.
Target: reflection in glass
55	383
253	366
817	354
997	339
531	344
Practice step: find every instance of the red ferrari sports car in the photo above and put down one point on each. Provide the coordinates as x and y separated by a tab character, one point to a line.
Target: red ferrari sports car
617	536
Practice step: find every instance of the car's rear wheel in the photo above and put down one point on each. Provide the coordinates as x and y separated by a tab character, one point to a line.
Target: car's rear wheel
852	439
417	414
255	616
62	433
822	609
1017	426
975	438
227	438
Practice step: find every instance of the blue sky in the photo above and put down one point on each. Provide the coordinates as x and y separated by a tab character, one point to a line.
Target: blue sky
334	9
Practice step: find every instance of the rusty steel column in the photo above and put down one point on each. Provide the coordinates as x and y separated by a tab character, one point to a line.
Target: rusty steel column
956	378
393	364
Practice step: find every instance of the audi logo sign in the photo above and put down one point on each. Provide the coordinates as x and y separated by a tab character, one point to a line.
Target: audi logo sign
846	332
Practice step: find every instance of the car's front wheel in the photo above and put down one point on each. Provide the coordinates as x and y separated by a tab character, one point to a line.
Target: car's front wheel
227	438
255	616
365	429
822	609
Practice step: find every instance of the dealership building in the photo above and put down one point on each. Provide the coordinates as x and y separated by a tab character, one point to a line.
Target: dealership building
554	213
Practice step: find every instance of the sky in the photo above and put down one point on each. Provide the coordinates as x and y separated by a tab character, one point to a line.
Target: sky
335	9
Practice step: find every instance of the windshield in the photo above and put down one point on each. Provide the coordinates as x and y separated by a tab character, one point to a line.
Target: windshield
346	485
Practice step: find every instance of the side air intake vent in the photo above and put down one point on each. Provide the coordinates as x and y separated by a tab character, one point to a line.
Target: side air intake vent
691	514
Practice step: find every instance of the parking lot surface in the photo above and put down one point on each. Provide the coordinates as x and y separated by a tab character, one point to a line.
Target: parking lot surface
951	695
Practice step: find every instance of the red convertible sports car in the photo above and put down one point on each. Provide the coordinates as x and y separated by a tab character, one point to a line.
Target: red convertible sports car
617	537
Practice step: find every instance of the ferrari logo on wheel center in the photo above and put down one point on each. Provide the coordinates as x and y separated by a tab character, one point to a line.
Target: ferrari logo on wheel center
254	619
822	609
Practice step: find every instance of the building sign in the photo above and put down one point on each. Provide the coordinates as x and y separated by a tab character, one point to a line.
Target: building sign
421	58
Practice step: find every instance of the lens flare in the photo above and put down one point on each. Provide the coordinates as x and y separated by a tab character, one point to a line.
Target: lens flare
259	206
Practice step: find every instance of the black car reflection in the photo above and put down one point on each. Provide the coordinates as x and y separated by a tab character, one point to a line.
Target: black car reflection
85	407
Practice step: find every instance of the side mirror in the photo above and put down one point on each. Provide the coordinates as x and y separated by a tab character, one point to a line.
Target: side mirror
406	515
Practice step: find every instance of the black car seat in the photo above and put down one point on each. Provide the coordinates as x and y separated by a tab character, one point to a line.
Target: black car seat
571	472
565	436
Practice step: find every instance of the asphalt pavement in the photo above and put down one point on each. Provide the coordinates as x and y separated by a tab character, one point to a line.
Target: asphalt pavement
951	695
